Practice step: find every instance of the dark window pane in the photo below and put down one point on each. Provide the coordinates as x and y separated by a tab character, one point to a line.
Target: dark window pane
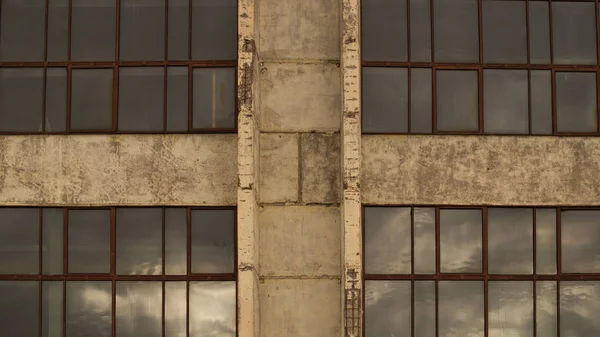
541	102
22	25
214	29
21	99
175	309
177	98
546	322
460	241
93	30
579	306
91	99
424	308
539	32
510	308
387	308
461	308
175	241
52	304
138	309
89	241
420	31
424	221
212	308
212	241
574	32
385	99
56	99
457	100
387	240
505	104
139	241
19	308
580	241
20	240
142	30
456	31
58	30
510	240
576	102
178	29
52	241
382	19
420	101
214	98
545	228
504	32
89	309
141	98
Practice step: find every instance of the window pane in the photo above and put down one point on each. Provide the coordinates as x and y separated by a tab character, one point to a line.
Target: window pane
214	29
89	309
387	240
576	109
93	30
58	30
212	308
21	99
541	102
178	29
420	101
91	99
52	241
212	241
420	31
504	32
460	241
177	98
382	19
456	31
510	240
141	98
461	308
385	99
52	304
139	241
387	308
56	99
505	103
139	309
424	308
214	98
539	32
22	25
574	32
546	322
579	307
19	308
89	241
142	30
424	221
457	100
175	309
175	241
545	228
580	241
20	240
510	308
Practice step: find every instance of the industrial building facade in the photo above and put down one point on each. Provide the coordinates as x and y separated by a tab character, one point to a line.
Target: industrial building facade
299	168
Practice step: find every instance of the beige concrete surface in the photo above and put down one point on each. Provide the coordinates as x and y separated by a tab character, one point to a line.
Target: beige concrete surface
279	167
320	167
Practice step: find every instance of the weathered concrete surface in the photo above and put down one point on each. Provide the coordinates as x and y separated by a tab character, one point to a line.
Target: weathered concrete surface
300	308
118	170
299	97
301	240
279	167
476	170
320	156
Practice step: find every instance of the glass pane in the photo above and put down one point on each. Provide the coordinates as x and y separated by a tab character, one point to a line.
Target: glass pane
89	241
212	308
574	32
545	228
139	241
576	102
175	309
579	307
20	240
546	304
424	309
510	308
214	29
385	100
175	241
387	240
580	237
21	99
22	25
504	32
178	29
382	19
457	100
177	98
91	99
505	102
420	101
58	30
424	219
460	241
456	29
539	32
212	241
214	98
52	305
461	308
510	240
142	30
56	99
387	311
19	308
541	102
139	309
141	98
93	30
52	241
89	309
420	31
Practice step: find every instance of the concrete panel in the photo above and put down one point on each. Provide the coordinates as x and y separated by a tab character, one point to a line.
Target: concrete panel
118	169
293	29
278	167
299	97
320	167
300	241
300	308
481	170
